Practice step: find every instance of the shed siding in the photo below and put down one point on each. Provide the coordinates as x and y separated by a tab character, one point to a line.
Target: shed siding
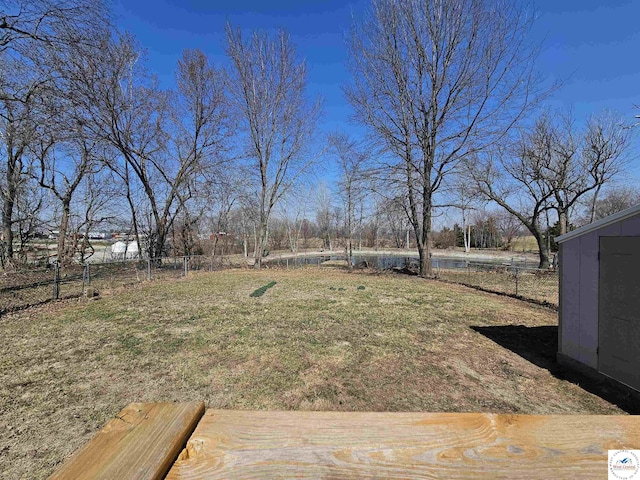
570	267
588	285
630	227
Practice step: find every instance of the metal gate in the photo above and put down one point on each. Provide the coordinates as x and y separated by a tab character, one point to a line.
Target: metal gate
619	309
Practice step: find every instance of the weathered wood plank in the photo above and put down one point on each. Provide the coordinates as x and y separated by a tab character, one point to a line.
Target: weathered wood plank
140	443
240	444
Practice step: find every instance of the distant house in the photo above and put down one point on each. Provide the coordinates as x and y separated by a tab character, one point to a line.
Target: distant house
99	235
599	311
218	235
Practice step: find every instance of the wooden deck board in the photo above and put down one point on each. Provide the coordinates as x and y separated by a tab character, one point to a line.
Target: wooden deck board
140	443
242	444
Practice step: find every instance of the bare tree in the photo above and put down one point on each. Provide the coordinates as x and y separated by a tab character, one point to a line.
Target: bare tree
293	210
325	218
394	212
28	221
352	162
613	200
34	35
50	22
513	178
508	227
436	81
577	163
164	140
268	85
64	163
607	142
17	132
463	196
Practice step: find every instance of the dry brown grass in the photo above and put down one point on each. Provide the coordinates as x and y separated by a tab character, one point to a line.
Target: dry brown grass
319	339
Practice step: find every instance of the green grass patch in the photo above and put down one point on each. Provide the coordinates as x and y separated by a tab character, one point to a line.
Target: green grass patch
131	344
261	291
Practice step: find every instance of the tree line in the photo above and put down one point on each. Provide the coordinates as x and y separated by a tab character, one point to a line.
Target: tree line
447	91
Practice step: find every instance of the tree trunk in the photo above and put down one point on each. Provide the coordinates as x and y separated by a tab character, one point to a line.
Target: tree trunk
255	242
562	221
349	247
63	254
424	252
594	203
262	244
466	232
376	236
134	217
290	236
425	243
542	248
7	224
160	239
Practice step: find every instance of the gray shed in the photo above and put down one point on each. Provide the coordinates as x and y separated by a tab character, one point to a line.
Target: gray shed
599	311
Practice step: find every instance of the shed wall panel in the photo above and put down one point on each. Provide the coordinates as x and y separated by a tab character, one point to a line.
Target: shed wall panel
588	285
570	314
630	227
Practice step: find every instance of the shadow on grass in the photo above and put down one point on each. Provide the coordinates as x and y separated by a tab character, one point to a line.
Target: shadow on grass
539	346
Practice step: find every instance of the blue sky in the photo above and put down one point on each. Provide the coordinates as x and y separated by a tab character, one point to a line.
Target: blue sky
591	46
166	27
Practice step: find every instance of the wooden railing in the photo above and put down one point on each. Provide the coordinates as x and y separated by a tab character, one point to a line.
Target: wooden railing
154	441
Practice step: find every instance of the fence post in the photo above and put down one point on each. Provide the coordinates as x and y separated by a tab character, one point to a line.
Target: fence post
149	269
185	260
86	276
287	264
56	281
516	281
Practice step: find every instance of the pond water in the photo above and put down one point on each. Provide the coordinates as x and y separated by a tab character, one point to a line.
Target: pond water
383	262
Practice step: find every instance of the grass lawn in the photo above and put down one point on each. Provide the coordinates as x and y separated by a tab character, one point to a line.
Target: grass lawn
525	243
317	339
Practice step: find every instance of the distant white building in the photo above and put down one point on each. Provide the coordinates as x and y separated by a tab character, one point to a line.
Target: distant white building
124	250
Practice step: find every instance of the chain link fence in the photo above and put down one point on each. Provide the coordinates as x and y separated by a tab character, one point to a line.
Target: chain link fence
24	288
21	289
533	284
520	281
